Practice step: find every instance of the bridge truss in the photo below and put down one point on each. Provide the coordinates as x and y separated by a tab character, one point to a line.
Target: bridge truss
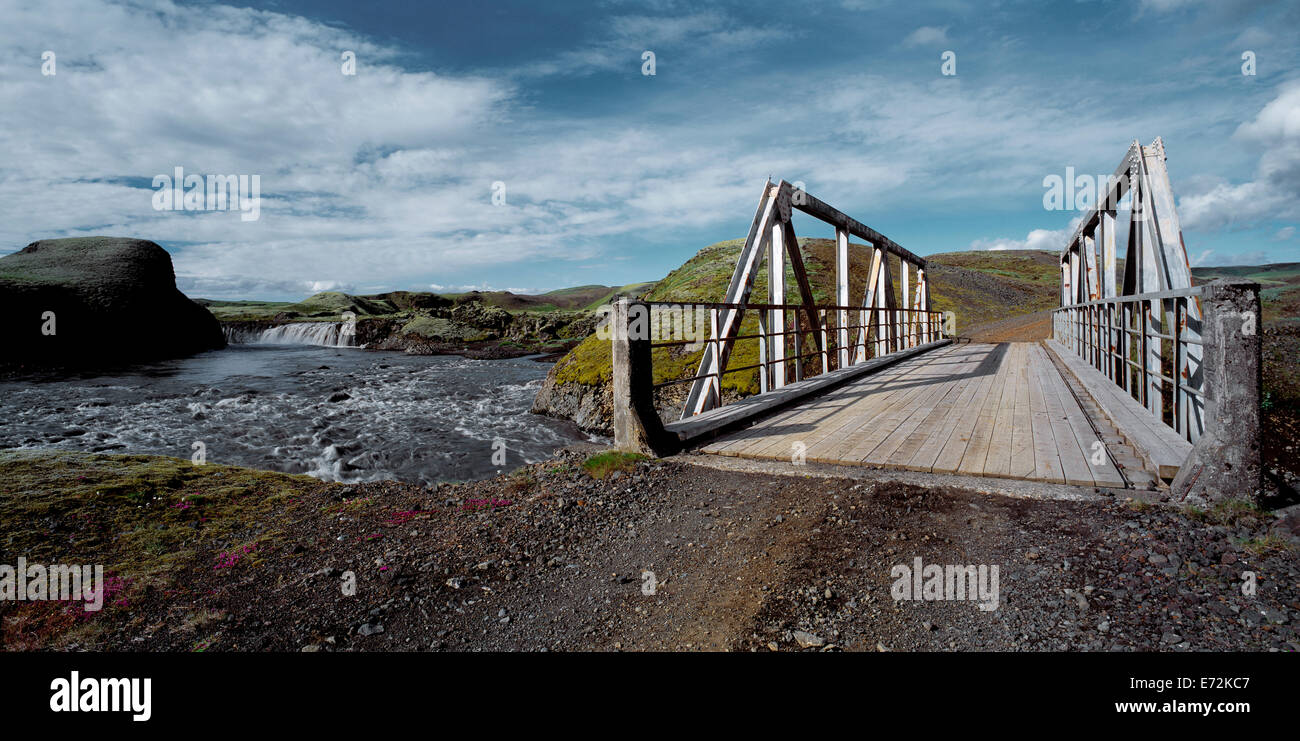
1143	333
884	323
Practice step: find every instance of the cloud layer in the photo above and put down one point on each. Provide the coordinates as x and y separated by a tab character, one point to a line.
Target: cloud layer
385	179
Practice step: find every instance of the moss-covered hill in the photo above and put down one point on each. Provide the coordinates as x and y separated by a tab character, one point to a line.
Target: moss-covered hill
97	301
980	287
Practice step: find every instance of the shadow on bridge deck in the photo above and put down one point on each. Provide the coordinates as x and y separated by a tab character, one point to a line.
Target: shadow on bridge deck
973	409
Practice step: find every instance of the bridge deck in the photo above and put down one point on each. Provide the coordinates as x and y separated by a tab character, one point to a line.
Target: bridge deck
975	409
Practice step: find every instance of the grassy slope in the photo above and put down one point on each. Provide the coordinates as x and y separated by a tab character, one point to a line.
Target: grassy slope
144	518
323	305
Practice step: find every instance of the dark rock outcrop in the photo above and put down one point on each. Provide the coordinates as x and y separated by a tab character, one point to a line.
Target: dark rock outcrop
97	301
590	407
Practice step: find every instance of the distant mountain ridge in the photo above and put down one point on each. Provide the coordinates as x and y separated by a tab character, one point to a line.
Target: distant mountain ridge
334	303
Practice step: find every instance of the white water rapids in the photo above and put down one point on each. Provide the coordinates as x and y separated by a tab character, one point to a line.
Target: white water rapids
325	334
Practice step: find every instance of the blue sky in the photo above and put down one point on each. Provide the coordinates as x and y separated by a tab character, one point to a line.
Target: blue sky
384	179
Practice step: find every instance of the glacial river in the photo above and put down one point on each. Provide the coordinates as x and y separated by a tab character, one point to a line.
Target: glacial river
393	416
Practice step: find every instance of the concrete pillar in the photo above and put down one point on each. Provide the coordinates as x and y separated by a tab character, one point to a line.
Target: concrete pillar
637	426
1225	462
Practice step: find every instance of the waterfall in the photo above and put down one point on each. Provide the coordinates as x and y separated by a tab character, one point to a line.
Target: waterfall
329	334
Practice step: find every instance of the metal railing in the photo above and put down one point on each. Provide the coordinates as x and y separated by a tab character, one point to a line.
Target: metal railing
1124	338
836	339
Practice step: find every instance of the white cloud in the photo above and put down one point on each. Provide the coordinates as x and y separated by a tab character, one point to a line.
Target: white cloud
1051	240
1165	6
927	36
1037	239
1275	131
481	287
1284	234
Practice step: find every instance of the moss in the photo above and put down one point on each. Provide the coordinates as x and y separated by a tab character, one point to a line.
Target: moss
438	328
589	363
1226	512
602	465
1267	544
142	517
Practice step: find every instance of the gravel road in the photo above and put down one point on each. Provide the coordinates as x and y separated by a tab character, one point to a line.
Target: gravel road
741	561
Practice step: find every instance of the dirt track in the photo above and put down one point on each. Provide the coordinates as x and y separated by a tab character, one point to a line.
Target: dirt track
741	561
1025	328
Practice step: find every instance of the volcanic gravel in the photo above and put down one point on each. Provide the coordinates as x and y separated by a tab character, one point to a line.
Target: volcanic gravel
550	559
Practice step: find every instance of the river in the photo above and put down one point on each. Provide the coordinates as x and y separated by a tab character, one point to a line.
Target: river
336	413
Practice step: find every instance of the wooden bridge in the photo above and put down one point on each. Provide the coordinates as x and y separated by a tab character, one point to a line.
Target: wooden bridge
1146	382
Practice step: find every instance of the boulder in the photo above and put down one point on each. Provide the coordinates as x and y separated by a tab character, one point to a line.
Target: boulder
98	301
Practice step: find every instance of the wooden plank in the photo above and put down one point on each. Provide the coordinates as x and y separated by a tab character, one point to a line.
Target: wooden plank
776	296
1104	472
1074	459
902	443
918	451
735	439
831	215
762	441
867	407
893	423
715	419
851	436
1047	462
954	447
869	300
998	460
925	456
976	453
738	290
805	289
832	429
1156	442
1021	464
835	432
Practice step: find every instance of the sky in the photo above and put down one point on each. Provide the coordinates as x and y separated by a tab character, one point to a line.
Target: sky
523	146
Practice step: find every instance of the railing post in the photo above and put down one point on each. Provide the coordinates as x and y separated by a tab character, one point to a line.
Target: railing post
1126	345
798	349
717	354
1225	461
826	358
776	296
1143	340
1178	367
1155	326
842	292
637	426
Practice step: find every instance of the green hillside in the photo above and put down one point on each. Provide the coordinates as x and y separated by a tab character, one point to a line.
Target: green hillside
980	287
1279	284
331	304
